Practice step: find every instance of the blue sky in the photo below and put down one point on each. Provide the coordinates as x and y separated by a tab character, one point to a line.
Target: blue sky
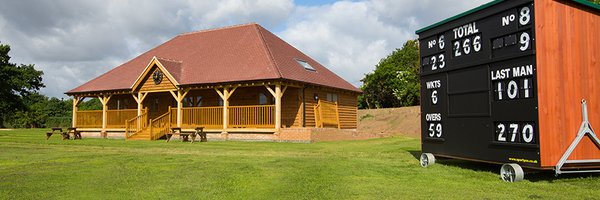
76	41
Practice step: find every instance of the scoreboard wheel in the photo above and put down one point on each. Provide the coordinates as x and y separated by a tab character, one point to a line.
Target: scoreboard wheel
427	159
511	172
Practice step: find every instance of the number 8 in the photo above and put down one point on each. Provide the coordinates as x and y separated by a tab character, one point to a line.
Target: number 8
525	16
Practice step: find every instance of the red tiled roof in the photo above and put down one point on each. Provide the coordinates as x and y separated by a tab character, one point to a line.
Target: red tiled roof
238	53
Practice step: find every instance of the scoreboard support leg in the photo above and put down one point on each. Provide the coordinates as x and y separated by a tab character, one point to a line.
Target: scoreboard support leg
584	130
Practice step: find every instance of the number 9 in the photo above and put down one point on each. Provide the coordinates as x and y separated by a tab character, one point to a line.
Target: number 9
524	40
438	128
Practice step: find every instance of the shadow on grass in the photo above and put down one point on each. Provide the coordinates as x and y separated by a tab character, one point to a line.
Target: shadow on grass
549	176
415	154
531	175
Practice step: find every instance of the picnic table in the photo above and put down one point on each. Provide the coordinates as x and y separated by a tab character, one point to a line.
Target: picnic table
184	135
75	132
57	130
65	135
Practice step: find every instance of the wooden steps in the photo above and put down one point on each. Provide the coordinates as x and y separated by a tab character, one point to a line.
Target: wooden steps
143	135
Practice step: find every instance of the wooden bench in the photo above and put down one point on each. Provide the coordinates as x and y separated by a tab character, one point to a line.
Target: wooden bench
184	135
200	131
75	132
57	130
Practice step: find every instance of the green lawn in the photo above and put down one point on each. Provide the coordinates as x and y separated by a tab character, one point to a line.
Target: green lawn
33	168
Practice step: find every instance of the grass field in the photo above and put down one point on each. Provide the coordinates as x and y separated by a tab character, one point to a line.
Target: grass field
33	168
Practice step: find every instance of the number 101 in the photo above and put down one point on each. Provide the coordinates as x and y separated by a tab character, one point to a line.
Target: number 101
513	89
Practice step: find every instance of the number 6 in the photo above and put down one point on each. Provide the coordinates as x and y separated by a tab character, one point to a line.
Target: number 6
434	98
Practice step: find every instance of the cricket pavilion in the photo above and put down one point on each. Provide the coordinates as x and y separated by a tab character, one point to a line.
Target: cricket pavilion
238	82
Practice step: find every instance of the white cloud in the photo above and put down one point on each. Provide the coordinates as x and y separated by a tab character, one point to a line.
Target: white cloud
350	37
75	41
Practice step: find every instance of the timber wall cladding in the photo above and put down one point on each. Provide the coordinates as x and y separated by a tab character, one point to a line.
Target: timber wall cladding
569	70
291	108
149	85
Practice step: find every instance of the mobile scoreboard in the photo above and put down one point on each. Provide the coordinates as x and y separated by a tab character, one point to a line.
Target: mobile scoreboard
487	94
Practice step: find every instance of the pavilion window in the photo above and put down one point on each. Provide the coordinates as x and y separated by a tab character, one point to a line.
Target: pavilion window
305	65
188	101
262	99
198	101
332	97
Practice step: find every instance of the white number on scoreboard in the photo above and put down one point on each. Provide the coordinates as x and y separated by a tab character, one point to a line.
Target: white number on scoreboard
435	130
513	89
511	132
467	46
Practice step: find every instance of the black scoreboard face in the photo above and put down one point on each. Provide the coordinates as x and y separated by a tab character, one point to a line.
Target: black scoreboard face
478	86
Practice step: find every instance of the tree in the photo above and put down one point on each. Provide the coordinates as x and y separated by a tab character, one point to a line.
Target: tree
92	104
16	82
33	115
395	80
41	111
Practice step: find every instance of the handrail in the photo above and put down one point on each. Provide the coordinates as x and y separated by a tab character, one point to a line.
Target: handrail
160	126
136	124
326	113
318	120
89	111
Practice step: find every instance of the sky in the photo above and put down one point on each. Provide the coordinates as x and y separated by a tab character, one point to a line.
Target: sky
73	42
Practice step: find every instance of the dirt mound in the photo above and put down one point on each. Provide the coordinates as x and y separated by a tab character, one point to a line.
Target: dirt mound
391	121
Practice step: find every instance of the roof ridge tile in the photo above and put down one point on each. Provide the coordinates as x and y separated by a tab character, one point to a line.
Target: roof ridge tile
219	28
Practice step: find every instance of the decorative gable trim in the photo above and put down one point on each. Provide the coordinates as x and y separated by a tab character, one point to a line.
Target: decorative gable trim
147	70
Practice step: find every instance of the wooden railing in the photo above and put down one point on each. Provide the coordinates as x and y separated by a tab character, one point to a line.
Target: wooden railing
210	117
160	126
256	116
262	116
93	118
117	118
136	124
326	114
89	119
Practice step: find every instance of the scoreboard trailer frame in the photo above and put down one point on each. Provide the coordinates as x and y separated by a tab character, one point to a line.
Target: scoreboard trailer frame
504	83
